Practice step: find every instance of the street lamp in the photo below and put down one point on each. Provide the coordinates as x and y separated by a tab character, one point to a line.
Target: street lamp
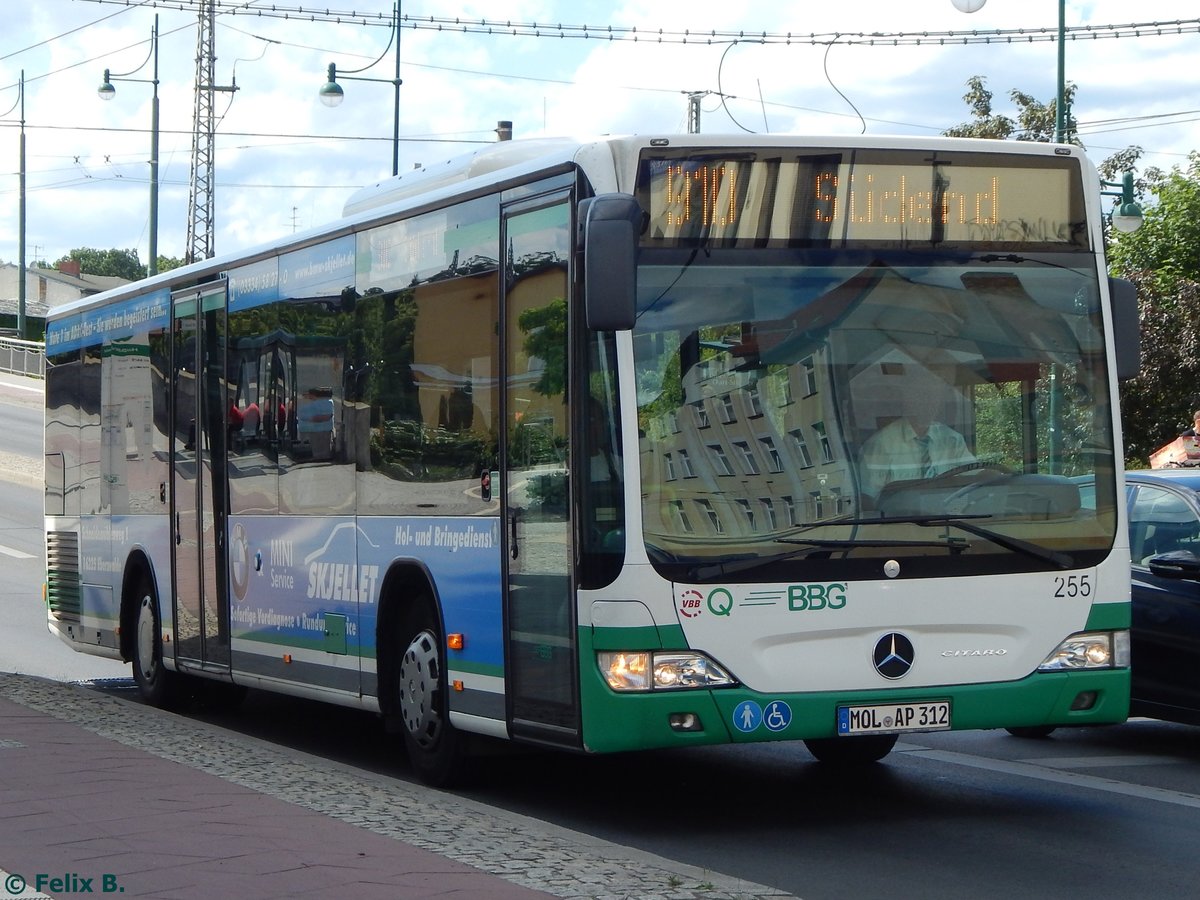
1126	214
21	212
1060	117
331	93
106	91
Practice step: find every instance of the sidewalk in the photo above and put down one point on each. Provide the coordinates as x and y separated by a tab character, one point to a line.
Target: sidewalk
150	804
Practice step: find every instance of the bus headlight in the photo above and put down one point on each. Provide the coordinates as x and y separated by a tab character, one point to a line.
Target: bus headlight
1090	650
661	670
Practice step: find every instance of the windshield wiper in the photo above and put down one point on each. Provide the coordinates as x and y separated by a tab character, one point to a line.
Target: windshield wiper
1017	545
744	563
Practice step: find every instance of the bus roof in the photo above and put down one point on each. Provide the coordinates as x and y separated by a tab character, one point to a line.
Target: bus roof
602	158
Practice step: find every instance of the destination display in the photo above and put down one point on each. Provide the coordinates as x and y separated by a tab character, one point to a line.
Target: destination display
844	196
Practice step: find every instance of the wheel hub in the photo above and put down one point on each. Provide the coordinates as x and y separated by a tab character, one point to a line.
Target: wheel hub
145	639
419	678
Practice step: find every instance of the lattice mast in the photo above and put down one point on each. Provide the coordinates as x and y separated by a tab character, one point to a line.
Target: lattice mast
200	193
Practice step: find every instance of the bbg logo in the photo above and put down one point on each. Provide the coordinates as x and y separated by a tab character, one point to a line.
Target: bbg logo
800	598
803	597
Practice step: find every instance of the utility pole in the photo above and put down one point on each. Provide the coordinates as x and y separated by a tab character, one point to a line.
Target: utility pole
694	111
694	98
201	183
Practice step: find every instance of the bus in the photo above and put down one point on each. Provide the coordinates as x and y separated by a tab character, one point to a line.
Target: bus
606	445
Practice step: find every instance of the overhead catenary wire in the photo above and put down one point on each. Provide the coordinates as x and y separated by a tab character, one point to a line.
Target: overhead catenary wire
613	33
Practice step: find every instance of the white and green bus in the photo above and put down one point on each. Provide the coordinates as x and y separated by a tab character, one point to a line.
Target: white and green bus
609	446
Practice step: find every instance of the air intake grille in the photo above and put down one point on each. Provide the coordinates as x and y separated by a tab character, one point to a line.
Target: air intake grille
62	574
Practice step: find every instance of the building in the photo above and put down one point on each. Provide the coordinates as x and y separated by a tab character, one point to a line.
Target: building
46	289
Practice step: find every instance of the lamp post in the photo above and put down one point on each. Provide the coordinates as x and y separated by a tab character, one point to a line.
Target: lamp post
331	92
21	210
1060	115
20	102
1126	214
22	286
106	91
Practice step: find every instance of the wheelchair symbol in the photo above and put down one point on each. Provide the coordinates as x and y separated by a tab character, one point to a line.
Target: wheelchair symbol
777	716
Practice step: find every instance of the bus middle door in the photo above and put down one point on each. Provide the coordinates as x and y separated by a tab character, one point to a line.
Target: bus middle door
199	492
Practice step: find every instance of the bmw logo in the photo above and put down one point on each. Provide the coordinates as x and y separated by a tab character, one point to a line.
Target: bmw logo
893	655
239	561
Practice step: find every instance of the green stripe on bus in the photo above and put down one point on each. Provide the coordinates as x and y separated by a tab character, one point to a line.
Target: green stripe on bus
1108	616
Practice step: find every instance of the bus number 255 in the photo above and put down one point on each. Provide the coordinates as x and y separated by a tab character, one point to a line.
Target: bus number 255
1073	586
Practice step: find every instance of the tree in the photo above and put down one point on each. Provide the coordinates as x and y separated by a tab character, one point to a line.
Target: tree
167	263
1157	404
1162	259
1167	245
118	263
985	124
545	329
1034	122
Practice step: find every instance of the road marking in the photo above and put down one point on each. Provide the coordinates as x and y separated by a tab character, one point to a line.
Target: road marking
18	383
15	554
1041	773
1101	762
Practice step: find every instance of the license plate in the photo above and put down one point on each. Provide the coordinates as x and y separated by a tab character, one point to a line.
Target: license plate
931	715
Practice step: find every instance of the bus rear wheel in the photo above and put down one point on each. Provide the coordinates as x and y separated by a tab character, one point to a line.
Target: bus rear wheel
435	747
857	750
157	686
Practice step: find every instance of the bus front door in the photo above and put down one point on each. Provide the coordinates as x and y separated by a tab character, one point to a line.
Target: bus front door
199	494
543	688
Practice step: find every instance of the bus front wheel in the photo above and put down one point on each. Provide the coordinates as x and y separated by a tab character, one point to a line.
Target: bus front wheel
157	686
435	747
1034	732
865	748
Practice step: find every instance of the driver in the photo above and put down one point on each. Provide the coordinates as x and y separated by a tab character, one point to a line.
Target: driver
914	445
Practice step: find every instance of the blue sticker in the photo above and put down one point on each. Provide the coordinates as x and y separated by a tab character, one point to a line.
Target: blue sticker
777	716
747	716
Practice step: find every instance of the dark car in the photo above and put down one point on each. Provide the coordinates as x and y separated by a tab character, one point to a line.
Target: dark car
1164	543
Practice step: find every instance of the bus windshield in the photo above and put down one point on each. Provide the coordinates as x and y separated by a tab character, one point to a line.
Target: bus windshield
853	410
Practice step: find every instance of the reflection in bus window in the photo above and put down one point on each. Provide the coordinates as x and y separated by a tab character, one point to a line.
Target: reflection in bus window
423	412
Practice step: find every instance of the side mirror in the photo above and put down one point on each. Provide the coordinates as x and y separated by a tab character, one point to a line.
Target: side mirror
610	225
1127	331
1175	564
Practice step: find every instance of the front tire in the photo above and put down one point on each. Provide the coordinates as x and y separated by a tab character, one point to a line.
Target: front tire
157	686
435	747
853	751
1035	732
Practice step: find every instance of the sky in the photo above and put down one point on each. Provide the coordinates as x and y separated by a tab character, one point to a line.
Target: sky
284	162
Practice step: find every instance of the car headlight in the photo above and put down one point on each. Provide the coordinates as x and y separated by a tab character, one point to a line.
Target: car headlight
1089	650
643	670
